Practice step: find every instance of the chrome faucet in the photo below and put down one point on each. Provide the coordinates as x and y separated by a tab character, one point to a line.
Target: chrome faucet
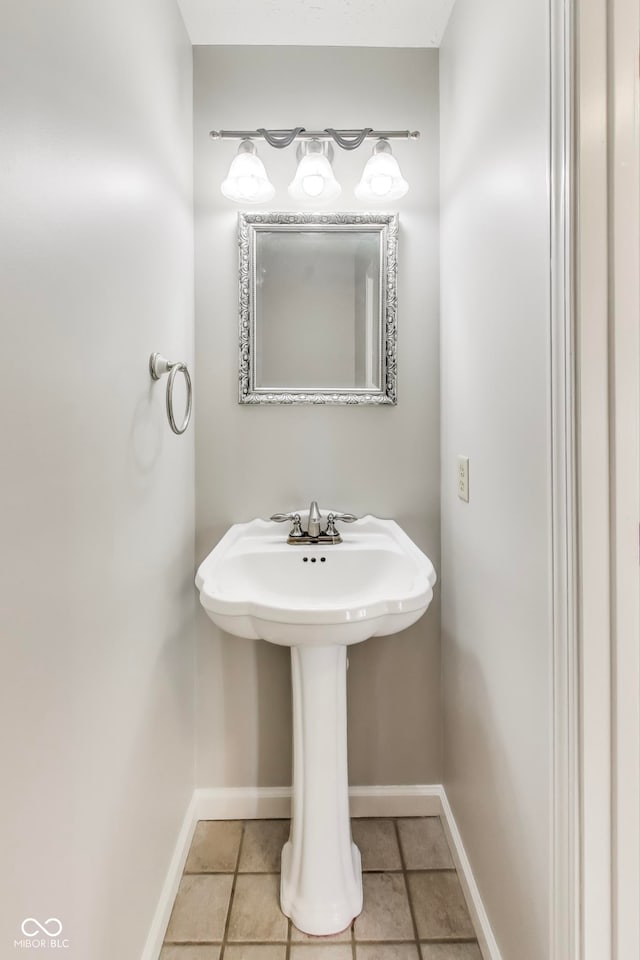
313	523
314	532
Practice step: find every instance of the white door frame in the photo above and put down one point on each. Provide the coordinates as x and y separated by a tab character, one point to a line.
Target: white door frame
564	887
624	442
595	358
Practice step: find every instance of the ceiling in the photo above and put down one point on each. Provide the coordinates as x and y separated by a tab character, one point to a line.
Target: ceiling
361	23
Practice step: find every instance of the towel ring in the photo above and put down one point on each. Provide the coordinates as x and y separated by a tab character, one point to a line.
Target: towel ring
159	365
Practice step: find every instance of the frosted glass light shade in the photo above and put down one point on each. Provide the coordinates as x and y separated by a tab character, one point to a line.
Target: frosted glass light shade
247	180
381	178
314	179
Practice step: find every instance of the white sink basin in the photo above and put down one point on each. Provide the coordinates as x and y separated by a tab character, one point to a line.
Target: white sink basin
317	600
254	584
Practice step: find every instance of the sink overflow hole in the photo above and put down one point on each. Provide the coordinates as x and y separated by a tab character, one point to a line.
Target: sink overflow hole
314	559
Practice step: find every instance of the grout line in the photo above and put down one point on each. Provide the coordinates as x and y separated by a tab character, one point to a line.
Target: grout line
313	943
353	936
241	873
450	940
288	950
276	873
406	883
232	895
218	943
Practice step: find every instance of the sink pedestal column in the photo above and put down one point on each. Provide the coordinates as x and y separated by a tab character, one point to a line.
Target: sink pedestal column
321	880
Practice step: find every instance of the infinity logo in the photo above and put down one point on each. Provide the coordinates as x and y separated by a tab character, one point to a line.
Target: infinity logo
51	927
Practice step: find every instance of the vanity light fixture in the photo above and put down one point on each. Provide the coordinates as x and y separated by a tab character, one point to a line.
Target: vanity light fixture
381	178
247	180
314	179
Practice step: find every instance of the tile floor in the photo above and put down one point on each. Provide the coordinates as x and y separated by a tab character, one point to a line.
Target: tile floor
227	906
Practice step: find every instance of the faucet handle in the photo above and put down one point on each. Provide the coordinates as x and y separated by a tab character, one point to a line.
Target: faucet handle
296	528
331	522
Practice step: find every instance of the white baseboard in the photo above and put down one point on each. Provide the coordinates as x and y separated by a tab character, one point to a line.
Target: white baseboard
249	803
421	800
169	890
243	803
487	941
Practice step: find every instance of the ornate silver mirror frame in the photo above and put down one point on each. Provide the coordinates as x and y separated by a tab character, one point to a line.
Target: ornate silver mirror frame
380	229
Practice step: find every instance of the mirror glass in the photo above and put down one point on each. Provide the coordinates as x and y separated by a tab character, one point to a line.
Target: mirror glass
317	308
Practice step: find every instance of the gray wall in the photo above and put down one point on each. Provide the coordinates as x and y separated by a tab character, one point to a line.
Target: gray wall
496	574
255	460
97	514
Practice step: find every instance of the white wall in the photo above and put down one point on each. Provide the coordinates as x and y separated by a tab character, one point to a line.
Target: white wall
96	550
254	460
496	572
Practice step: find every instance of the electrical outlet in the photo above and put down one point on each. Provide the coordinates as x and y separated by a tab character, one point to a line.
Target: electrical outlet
463	478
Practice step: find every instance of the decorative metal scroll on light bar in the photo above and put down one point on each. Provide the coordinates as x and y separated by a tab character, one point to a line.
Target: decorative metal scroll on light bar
347	139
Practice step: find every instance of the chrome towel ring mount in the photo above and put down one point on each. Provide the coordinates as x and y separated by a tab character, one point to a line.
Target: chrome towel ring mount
158	366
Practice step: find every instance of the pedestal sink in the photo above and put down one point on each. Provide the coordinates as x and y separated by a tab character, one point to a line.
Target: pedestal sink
317	600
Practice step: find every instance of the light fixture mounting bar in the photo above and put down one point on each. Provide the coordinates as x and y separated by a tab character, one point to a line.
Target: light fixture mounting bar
289	136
